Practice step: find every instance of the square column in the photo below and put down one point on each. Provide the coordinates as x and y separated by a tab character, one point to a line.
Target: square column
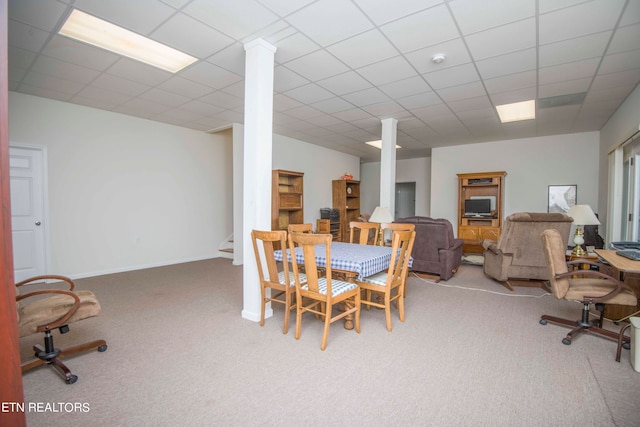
258	152
388	164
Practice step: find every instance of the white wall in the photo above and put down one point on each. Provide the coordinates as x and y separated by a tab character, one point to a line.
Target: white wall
411	170
124	192
320	166
532	164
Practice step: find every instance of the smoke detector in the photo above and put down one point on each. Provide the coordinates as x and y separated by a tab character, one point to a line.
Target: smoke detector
438	58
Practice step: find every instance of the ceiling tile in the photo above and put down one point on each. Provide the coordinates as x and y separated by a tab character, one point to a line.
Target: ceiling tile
579	20
69	50
464	91
237	19
387	71
625	39
172	34
473	15
620	62
455	52
285	7
332	105
453	76
64	70
511	82
507	64
590	46
571	71
505	39
428	27
117	84
210	75
405	87
381	12
36	13
345	83
140	16
564	88
363	49
293	47
308	94
26	37
164	97
138	72
308	65
284	79
321	22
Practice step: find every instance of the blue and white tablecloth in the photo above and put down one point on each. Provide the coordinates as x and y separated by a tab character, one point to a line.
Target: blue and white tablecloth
366	260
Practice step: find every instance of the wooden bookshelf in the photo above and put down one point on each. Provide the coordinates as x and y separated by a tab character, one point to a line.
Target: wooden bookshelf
287	201
346	199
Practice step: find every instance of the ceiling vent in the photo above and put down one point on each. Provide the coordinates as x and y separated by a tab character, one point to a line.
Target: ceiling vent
561	100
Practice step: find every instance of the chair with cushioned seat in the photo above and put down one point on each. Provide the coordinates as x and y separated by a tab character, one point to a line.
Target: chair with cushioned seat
57	310
367	232
321	292
585	286
394	279
284	288
517	254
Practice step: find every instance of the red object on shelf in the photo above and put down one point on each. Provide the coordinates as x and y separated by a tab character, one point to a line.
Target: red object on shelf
347	176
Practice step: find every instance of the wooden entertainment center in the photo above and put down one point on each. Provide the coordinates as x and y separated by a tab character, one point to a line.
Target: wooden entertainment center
474	229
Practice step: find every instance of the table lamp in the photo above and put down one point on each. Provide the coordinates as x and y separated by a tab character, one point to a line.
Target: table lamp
582	215
381	214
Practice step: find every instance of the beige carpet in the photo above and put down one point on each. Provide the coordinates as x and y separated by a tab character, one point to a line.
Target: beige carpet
180	354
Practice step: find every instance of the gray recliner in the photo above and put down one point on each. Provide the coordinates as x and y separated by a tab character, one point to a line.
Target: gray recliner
518	253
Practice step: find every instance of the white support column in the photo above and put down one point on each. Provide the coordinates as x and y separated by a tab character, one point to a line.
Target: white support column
258	140
388	164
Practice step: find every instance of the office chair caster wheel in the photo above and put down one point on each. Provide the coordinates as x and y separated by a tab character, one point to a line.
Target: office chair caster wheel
102	348
71	379
543	322
566	341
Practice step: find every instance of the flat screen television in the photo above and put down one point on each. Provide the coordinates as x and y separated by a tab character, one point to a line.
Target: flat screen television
477	207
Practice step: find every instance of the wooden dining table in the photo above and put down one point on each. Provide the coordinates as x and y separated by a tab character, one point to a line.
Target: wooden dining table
353	261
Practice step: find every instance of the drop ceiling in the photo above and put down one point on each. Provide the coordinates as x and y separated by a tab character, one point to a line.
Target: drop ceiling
343	65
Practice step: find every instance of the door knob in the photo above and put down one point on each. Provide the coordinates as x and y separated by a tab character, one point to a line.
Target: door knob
38	223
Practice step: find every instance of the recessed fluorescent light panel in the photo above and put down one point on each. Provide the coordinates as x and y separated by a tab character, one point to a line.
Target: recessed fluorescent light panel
378	144
94	31
517	111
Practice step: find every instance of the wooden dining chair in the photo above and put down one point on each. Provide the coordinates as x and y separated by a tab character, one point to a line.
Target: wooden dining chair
391	284
280	284
365	230
321	293
394	226
300	228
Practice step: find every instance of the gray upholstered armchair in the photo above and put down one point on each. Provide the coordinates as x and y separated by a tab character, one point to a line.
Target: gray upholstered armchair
435	250
518	252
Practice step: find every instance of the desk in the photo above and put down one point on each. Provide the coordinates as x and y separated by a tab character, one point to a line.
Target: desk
628	271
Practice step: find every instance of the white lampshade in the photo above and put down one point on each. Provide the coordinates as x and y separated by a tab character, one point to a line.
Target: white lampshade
583	215
381	214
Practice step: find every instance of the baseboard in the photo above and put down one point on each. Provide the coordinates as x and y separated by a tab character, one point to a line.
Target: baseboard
137	267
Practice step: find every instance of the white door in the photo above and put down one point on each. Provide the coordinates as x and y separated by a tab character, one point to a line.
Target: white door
405	200
28	212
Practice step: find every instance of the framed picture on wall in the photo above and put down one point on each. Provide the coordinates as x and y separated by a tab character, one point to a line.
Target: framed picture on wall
561	198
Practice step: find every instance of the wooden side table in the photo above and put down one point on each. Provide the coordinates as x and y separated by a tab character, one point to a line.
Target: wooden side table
591	257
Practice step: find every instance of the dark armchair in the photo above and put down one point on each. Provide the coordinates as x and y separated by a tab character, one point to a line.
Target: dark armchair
435	250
